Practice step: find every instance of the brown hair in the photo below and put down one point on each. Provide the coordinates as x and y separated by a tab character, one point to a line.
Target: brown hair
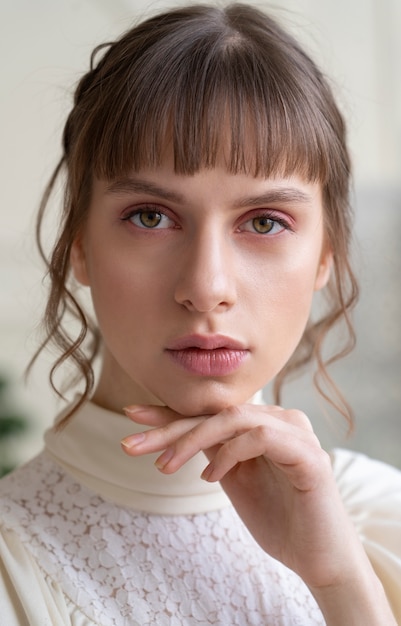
175	77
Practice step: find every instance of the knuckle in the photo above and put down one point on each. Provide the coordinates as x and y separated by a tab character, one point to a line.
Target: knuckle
237	420
194	432
193	438
261	433
235	414
324	460
319	463
229	449
298	418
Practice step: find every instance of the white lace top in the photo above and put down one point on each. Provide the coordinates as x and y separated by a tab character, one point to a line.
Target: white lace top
91	536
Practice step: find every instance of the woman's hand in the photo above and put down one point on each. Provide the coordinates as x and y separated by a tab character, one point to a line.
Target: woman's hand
272	467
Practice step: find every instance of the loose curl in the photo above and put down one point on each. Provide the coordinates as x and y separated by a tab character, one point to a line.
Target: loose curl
184	77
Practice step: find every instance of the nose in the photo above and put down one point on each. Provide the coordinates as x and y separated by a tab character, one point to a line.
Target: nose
206	280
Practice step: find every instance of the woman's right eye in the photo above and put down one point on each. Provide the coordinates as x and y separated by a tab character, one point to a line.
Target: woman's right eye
150	219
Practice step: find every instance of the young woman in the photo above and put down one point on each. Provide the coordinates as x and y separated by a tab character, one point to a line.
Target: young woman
206	202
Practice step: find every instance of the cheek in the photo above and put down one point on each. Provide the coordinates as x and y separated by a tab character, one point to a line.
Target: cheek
121	289
287	279
286	302
282	300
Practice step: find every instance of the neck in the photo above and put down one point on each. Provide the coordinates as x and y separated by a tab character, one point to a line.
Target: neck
89	449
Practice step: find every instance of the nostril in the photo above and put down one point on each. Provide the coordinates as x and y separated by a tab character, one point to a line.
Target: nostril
187	304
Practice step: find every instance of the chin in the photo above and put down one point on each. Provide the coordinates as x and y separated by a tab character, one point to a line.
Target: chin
208	401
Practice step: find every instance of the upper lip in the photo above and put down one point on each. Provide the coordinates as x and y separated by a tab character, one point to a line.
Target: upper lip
205	342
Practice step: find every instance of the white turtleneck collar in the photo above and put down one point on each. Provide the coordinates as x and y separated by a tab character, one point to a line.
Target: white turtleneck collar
89	448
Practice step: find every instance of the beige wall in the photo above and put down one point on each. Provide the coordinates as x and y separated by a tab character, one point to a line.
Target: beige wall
45	46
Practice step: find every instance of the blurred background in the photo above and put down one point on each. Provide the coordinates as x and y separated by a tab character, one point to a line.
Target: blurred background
45	47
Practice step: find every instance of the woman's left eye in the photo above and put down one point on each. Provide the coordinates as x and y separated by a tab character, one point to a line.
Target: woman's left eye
265	225
150	219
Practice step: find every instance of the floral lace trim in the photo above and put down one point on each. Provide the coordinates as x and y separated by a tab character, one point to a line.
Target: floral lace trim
126	568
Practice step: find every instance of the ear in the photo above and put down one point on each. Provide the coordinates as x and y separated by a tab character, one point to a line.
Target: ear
78	261
324	268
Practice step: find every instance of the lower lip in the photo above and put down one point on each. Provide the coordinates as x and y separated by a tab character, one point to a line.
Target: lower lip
218	362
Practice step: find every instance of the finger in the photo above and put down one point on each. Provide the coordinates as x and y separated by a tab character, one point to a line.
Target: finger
159	438
291	416
168	424
296	418
150	415
158	415
229	425
299	460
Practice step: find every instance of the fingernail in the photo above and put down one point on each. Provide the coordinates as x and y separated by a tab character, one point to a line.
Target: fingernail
207	472
162	461
132	440
134	408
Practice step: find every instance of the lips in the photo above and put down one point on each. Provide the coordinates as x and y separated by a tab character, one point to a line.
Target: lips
205	342
207	355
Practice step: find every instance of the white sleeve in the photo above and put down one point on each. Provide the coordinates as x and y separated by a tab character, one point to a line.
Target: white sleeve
27	596
371	492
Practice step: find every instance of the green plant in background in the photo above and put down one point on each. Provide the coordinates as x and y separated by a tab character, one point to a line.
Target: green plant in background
12	426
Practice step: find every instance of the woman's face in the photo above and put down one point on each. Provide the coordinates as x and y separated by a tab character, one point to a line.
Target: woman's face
202	285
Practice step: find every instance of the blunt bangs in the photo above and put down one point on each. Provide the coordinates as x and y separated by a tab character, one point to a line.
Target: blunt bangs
209	89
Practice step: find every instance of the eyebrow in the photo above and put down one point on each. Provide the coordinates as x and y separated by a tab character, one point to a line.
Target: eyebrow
132	185
276	195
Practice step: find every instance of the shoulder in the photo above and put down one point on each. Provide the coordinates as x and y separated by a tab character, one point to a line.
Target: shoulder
367	483
371	492
30	590
27	594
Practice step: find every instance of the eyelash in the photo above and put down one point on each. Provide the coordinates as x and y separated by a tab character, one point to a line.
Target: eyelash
142	211
272	217
267	215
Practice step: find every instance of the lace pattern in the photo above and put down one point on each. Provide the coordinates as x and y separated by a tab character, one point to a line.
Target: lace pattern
127	568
